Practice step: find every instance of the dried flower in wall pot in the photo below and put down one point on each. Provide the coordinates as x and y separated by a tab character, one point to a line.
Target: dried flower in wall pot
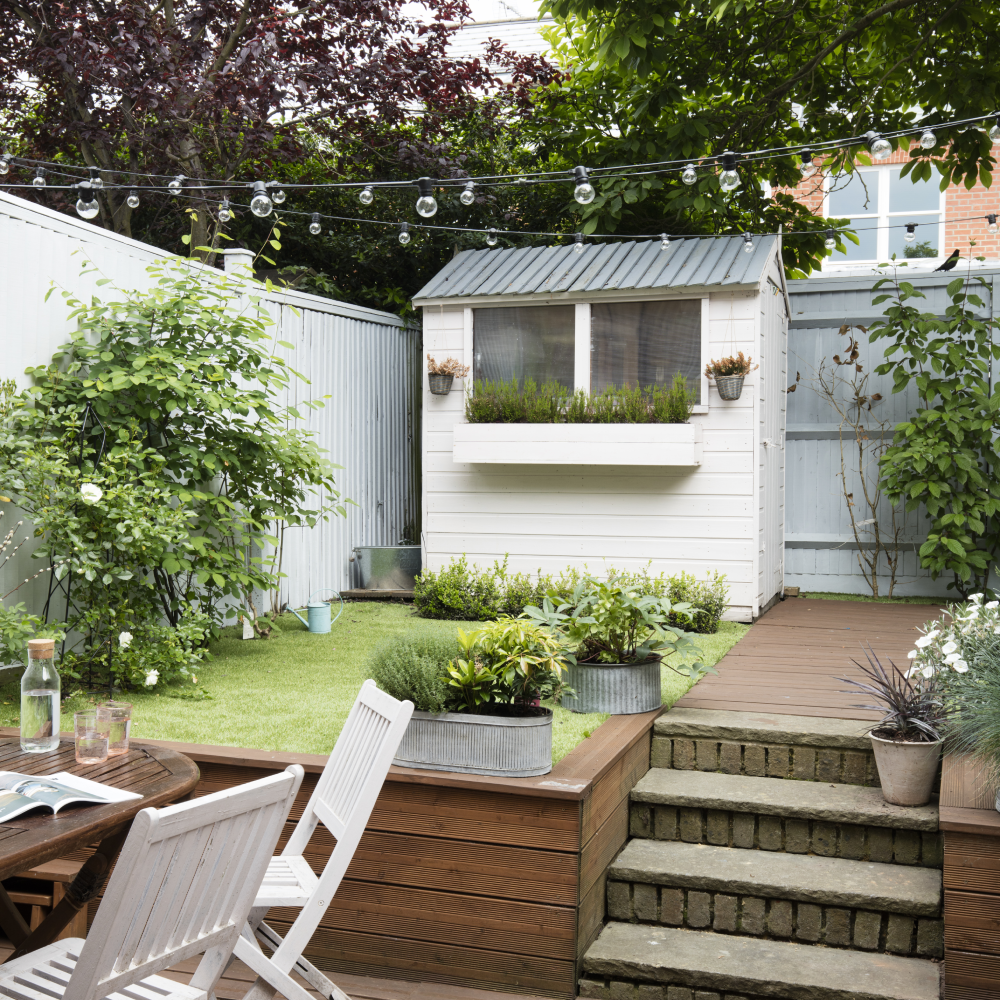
728	374
442	373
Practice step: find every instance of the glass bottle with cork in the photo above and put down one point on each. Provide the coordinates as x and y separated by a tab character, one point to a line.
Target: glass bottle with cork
40	698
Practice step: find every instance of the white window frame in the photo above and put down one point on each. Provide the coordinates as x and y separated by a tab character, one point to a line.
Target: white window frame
879	195
581	342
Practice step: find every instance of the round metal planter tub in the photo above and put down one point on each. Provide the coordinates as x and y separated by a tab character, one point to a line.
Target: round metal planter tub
505	746
618	688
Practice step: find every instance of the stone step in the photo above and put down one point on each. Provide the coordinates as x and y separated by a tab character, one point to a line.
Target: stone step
759	745
830	901
798	817
638	962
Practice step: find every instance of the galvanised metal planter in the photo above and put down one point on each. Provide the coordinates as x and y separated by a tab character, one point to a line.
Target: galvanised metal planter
618	688
729	386
506	746
440	385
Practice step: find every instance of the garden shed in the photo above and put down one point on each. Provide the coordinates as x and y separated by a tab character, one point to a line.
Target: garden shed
698	496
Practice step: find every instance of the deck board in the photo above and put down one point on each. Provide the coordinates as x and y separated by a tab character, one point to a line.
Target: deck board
794	658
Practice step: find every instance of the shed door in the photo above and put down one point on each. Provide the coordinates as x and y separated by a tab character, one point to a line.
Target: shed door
774	366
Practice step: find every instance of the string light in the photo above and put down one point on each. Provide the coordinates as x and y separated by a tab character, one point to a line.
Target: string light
578	243
831	240
878	146
87	209
689	175
315	227
468	195
491	238
807	166
225	212
729	179
95	179
664	241
260	204
928	140
426	205
174	187
5	163
584	191
38	180
278	197
133	199
992	227
911	232
994	132
748	242
404	233
366	195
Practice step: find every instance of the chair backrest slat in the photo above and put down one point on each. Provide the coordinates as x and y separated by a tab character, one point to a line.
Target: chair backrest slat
184	884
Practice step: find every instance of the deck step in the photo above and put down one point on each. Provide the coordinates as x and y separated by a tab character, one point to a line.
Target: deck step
635	960
799	817
761	745
829	901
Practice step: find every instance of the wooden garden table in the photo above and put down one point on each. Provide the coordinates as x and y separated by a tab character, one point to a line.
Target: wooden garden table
161	776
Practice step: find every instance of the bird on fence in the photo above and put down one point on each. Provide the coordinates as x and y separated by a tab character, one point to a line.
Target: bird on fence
949	263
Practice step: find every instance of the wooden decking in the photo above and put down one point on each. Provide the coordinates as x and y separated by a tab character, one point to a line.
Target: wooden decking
791	661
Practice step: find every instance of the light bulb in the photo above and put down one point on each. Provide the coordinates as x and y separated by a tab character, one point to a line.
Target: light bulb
928	140
831	240
38	180
994	132
278	198
807	166
578	243
366	195
748	242
174	187
584	191
729	179
225	213
690	175
911	232
314	227
491	238
426	205
260	203
404	233
664	241
95	179
879	148
86	205
468	195
992	227
4	163
133	199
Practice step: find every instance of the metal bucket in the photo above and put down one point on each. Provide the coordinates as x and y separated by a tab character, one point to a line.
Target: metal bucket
729	386
388	567
618	688
440	384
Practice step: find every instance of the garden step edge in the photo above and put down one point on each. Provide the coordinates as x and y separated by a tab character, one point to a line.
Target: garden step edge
804	878
757	727
808	800
638	953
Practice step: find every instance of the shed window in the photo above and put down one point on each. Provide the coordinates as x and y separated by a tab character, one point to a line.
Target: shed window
645	343
525	342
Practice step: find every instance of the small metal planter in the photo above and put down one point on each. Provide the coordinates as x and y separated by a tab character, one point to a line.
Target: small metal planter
506	746
729	386
618	688
440	384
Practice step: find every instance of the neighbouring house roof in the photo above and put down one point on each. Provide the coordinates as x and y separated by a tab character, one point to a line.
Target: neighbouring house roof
639	265
520	35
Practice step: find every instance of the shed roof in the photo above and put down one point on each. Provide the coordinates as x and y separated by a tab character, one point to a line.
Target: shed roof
718	261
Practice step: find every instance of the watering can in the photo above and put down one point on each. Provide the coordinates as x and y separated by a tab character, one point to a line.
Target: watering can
319	612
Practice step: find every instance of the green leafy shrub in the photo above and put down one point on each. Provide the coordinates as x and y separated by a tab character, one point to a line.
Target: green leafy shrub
415	669
17	627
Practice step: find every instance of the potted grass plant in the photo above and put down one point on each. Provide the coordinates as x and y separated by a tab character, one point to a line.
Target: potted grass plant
907	740
620	638
440	374
729	373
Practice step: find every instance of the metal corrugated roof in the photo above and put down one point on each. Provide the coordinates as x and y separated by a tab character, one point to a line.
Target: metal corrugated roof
602	267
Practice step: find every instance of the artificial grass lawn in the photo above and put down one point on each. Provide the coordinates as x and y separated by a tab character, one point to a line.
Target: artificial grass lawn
874	600
293	692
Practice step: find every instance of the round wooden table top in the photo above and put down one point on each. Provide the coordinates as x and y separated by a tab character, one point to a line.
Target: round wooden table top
160	776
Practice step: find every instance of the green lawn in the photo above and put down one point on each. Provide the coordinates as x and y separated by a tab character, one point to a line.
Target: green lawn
293	693
877	600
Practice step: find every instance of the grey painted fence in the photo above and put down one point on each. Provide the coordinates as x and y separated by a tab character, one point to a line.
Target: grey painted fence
821	553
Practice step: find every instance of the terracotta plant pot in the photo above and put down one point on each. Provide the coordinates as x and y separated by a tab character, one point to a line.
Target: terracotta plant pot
906	770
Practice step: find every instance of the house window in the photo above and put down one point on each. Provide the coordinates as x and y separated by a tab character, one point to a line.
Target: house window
880	203
525	342
645	343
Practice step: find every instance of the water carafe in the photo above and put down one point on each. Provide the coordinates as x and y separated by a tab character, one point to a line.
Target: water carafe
40	698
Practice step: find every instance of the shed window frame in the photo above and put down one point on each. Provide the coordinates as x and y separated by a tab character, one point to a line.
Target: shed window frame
582	337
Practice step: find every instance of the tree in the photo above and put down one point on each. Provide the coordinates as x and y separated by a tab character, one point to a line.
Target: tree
681	81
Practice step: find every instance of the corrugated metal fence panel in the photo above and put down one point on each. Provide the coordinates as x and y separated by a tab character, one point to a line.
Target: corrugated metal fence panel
820	551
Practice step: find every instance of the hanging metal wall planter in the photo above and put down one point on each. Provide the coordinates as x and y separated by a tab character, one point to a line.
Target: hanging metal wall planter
729	386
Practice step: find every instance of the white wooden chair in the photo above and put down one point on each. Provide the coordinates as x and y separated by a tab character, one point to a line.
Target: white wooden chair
343	801
183	886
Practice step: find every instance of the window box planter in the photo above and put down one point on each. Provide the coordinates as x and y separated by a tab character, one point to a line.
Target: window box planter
618	688
578	444
505	746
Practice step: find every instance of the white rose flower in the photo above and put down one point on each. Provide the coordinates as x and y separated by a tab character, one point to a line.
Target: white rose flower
91	493
949	647
925	640
912	654
961	666
124	639
928	671
152	677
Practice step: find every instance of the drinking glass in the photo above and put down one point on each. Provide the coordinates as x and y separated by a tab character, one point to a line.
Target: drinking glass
119	723
91	729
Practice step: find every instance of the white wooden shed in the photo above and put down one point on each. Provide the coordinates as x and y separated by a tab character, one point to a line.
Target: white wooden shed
702	496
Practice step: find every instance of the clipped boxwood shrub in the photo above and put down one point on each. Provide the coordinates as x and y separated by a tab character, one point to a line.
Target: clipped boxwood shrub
414	669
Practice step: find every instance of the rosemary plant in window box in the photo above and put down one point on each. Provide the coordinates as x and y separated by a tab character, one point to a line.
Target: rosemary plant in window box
440	374
620	638
729	373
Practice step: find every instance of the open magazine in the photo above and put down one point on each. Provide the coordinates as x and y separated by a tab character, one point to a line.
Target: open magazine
20	793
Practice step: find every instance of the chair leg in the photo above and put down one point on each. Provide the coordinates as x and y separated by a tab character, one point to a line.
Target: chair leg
304	968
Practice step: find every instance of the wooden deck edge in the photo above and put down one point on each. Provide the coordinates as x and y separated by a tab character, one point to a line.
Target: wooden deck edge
959	819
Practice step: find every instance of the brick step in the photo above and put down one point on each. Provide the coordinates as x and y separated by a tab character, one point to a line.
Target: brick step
638	962
829	901
797	817
765	746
